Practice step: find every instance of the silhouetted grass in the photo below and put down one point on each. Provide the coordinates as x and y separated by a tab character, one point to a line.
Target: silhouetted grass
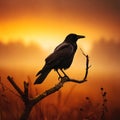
88	110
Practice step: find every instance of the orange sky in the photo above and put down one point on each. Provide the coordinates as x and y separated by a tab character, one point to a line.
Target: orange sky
49	21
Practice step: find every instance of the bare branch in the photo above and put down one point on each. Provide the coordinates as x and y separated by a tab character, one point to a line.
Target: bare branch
15	85
86	72
61	83
26	88
87	67
76	81
83	52
30	102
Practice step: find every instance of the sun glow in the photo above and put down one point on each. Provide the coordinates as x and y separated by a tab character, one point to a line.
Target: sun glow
39	31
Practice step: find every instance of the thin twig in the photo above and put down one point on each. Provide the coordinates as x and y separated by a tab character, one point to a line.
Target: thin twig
15	86
26	88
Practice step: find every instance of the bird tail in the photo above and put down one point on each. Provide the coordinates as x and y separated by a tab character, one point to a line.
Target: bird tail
41	76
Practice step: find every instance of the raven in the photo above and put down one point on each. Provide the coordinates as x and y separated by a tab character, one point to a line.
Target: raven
61	58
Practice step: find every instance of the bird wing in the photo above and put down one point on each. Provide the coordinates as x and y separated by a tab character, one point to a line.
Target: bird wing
62	46
61	52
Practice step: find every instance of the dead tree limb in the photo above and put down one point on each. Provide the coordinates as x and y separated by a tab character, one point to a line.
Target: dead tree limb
30	102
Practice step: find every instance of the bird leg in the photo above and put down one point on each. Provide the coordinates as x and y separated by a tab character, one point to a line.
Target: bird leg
64	73
58	74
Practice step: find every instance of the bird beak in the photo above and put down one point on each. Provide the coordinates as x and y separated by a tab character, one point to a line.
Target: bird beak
81	36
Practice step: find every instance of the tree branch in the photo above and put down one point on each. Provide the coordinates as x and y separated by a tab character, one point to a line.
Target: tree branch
30	102
61	83
15	86
54	89
26	89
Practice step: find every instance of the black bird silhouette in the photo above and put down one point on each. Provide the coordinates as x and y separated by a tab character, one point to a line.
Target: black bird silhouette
61	58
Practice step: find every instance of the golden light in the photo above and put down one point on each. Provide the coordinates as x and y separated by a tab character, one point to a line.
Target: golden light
47	33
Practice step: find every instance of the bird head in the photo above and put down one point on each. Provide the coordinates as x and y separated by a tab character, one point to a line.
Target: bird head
73	37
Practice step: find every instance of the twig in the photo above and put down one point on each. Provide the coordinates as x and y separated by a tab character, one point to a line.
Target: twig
26	88
15	85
